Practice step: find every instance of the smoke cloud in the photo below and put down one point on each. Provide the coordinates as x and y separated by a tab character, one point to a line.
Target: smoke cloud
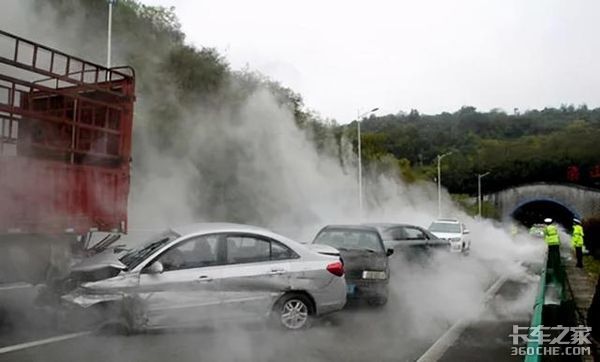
249	162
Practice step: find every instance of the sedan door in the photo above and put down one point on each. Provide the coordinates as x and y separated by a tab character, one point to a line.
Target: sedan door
257	273
187	291
409	241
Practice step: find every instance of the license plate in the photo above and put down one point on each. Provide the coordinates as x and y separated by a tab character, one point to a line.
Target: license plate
350	288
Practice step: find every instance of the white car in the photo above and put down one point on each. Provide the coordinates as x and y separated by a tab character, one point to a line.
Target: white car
454	231
210	273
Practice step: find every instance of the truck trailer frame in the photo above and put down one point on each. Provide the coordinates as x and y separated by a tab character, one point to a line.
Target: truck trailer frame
65	150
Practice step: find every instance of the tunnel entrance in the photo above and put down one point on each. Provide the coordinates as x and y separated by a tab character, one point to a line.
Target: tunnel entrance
535	211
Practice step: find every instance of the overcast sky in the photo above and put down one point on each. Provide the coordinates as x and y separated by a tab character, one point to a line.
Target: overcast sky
434	56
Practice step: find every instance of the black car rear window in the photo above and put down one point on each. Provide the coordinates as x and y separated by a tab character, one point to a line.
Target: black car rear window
350	239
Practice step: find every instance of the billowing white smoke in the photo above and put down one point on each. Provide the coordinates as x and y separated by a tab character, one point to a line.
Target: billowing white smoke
254	165
250	163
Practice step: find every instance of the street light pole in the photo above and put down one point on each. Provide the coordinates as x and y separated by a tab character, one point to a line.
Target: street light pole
360	195
479	177
109	36
360	201
439	179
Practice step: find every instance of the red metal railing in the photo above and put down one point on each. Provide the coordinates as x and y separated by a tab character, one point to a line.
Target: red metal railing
65	126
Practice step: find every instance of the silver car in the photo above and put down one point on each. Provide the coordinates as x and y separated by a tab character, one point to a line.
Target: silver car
210	273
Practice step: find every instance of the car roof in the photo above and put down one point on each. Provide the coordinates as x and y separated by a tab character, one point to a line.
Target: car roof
449	221
215	227
351	227
386	225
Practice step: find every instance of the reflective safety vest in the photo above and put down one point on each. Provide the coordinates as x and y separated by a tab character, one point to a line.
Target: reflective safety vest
551	235
577	238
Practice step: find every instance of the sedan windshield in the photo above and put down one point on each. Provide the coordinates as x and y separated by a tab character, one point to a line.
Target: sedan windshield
139	254
444	227
350	239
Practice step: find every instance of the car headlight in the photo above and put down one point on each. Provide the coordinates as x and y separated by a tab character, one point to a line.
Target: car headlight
454	239
372	274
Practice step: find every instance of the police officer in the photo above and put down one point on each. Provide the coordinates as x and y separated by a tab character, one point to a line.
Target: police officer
553	240
577	241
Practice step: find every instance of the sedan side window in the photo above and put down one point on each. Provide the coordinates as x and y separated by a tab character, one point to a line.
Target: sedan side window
415	234
251	249
195	253
399	234
281	252
247	249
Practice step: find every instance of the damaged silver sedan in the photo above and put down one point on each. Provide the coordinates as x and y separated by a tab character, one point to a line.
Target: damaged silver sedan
210	273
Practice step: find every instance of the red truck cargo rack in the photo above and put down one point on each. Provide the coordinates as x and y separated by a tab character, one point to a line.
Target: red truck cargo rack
65	141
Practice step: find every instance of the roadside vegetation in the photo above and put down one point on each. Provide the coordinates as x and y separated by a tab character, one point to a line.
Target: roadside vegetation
469	205
532	146
176	79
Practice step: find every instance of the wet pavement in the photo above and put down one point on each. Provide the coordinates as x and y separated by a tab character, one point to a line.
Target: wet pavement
402	330
489	337
356	334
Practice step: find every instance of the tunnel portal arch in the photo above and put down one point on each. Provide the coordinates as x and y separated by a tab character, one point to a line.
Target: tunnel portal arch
561	199
534	210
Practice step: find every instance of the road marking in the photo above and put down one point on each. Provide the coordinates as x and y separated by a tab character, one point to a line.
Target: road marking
13	286
17	347
437	350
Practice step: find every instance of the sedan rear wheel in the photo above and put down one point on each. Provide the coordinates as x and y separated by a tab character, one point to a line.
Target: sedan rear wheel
294	311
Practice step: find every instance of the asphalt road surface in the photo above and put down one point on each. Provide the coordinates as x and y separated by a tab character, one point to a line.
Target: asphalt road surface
423	305
356	334
488	337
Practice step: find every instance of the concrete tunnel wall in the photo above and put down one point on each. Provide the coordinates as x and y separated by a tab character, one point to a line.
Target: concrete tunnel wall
581	201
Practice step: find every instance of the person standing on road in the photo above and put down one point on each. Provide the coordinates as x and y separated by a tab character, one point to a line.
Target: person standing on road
577	241
553	240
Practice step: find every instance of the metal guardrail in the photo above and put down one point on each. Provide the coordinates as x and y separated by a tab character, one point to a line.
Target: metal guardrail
536	319
554	277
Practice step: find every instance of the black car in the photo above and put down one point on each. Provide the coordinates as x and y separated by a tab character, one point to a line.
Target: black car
410	240
365	260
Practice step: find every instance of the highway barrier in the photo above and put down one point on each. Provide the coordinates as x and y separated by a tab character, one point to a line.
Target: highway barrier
551	294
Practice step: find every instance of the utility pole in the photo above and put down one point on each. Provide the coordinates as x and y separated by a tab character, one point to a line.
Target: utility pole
479	177
109	35
439	179
360	200
360	194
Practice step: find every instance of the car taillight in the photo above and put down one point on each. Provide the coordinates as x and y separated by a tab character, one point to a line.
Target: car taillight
336	268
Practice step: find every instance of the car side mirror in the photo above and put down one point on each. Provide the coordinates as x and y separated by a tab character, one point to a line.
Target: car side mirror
389	252
466	231
155	268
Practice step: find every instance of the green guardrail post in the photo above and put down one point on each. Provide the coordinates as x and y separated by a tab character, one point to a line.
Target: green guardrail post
533	342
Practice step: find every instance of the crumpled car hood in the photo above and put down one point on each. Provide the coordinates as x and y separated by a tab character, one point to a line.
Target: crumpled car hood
106	290
84	299
123	281
105	259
